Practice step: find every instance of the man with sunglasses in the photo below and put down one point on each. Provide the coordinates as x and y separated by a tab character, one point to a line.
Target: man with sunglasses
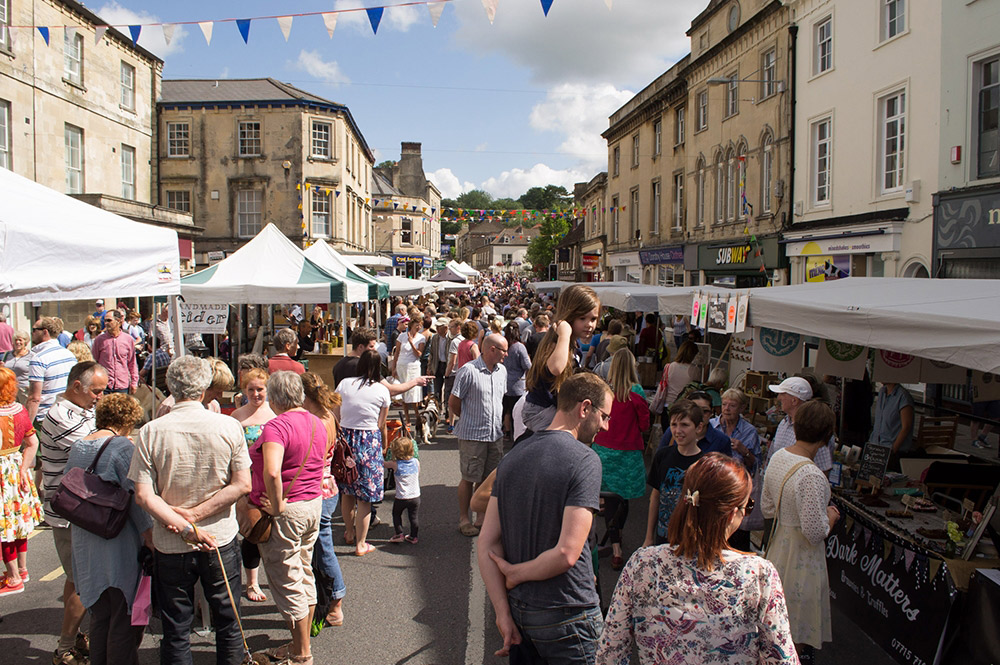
533	547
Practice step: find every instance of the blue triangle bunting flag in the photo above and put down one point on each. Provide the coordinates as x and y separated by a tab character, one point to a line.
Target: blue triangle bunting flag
45	33
244	25
134	30
375	17
546	6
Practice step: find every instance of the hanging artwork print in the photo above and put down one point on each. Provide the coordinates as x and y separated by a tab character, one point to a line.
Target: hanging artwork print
841	359
717	315
776	351
895	367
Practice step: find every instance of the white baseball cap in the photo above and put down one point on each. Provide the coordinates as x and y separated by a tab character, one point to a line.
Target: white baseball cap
795	386
99	302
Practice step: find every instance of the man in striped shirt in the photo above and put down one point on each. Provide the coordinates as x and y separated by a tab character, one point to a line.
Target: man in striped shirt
477	399
69	419
49	367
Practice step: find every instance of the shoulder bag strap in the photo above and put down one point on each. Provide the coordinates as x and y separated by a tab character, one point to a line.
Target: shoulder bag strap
777	511
97	457
312	441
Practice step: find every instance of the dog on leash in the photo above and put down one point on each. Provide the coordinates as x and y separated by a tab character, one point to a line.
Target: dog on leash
430	416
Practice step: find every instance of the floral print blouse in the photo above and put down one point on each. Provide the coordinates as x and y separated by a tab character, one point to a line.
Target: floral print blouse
678	614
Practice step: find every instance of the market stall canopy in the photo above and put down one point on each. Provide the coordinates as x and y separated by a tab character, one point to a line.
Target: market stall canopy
950	320
54	247
403	286
467	269
450	274
677	300
268	269
334	263
451	286
368	260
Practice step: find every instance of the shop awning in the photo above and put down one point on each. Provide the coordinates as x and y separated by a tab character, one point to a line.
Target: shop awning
404	286
368	260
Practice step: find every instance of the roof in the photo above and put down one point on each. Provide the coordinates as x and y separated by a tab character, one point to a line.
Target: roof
239	92
575	235
381	187
96	20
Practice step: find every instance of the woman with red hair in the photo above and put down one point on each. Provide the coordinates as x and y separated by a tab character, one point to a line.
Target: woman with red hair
20	509
693	600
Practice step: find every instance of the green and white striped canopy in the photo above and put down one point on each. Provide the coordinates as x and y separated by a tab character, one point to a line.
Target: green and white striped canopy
331	260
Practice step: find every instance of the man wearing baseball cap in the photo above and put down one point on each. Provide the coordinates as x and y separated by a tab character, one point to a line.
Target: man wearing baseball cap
792	393
100	312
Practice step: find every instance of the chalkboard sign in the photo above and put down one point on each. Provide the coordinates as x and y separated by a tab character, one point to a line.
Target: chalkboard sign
874	459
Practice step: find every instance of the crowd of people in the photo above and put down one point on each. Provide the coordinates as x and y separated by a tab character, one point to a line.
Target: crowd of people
553	428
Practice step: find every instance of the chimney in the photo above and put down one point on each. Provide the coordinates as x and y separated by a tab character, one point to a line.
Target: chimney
412	181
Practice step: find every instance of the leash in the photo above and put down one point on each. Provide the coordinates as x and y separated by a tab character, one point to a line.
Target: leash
247	657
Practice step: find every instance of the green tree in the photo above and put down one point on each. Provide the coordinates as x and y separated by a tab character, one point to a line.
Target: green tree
387	164
542	248
475	199
505	204
451	227
550	197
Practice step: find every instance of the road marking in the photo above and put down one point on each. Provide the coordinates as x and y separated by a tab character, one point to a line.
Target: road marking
34	533
475	642
54	575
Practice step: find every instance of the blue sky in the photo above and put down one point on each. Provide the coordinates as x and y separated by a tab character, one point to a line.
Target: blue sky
502	107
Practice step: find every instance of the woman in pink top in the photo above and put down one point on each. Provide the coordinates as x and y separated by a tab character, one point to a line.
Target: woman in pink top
287	481
468	350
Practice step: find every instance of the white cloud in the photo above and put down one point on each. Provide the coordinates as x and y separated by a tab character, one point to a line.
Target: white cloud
580	112
151	37
516	182
448	183
312	63
400	19
582	41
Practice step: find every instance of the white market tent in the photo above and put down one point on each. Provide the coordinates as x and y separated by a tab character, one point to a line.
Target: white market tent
467	269
950	320
404	286
368	260
268	269
54	247
450	274
334	263
451	286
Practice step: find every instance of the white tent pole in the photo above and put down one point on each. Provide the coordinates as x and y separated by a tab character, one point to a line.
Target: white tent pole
175	316
152	333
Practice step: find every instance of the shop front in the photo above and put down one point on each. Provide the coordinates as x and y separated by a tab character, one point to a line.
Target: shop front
414	266
592	260
967	233
663	266
743	264
625	267
825	255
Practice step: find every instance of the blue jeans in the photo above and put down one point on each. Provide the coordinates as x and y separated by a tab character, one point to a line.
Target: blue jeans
560	636
329	580
174	577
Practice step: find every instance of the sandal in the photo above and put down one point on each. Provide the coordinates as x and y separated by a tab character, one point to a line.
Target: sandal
255	595
398	538
469	530
369	548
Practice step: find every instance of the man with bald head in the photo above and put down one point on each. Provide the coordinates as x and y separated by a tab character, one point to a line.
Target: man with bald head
477	400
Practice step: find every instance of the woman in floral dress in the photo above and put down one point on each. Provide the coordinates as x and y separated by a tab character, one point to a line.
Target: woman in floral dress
693	601
362	413
20	509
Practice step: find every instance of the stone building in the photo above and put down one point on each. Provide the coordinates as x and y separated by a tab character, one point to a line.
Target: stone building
242	153
589	197
505	252
473	235
407	214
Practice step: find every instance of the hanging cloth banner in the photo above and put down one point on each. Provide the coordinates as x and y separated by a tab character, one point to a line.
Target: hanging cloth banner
375	17
732	308
776	351
935	371
243	24
840	359
204	318
893	367
206	29
741	312
703	311
330	21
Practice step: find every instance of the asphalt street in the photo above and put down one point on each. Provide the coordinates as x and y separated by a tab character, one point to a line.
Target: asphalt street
421	604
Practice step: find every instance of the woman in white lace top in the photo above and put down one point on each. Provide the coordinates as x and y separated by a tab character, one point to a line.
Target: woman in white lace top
799	493
693	601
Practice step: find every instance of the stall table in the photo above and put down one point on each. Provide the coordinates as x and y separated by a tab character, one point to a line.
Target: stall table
322	364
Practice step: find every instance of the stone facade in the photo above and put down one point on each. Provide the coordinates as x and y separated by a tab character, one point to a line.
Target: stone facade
240	154
506	252
474	235
590	198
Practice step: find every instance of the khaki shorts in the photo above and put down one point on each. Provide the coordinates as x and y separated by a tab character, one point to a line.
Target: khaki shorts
477	459
64	548
287	557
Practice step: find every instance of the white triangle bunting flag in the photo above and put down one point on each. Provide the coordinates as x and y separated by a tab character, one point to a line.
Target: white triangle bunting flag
608	3
168	32
330	21
491	9
70	32
206	29
99	34
435	9
285	23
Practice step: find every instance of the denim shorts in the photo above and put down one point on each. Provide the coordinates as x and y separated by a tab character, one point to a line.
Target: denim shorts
560	636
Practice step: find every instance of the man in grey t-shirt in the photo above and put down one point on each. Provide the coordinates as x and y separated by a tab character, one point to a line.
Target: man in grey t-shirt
539	517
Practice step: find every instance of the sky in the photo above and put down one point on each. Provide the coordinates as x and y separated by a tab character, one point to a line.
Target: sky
502	107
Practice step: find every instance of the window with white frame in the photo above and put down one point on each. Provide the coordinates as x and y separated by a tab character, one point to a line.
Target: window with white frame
730	185
893	20
732	95
73	137
986	123
4	22
616	160
635	150
178	139
823	51
179	199
128	86
657	137
679	124
320	217
821	164
507	259
73	56
615	216
406	234
720	187
702	110
249	138
678	201
768	71
633	216
128	172
766	160
248	212
699	204
4	129
655	207
892	148
322	133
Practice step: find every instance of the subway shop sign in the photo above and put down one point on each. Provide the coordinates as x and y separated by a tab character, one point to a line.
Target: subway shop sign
739	254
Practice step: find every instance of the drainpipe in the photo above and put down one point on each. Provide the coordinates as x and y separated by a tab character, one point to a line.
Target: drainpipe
793	33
